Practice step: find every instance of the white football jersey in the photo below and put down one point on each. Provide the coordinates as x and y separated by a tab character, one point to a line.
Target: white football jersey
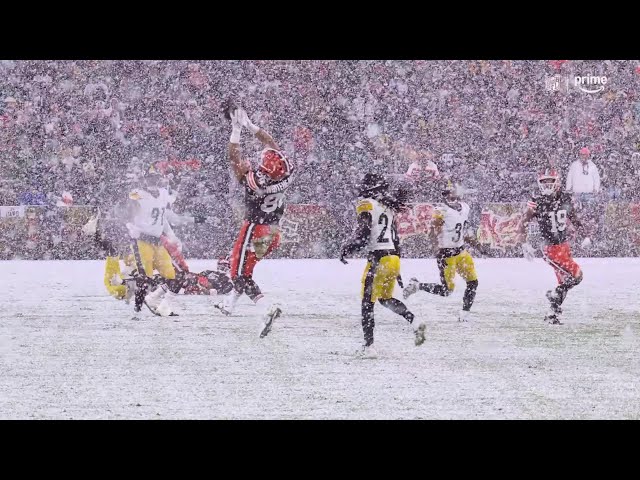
150	218
455	224
383	229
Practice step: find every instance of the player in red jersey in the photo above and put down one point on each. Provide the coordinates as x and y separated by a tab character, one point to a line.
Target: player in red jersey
553	209
264	188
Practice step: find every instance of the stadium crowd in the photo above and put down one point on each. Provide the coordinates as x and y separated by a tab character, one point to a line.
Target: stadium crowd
80	132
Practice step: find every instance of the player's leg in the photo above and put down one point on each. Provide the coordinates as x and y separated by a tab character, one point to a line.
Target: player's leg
568	273
384	285
143	253
175	253
160	298
271	239
238	256
447	268
209	282
264	239
368	302
253	243
467	270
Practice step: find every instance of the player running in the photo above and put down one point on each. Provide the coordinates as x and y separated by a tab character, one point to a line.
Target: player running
264	201
553	209
448	229
376	232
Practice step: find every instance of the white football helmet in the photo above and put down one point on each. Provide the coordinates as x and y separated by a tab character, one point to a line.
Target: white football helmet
549	181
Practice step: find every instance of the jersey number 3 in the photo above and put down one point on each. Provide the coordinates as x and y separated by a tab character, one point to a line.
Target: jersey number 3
458	230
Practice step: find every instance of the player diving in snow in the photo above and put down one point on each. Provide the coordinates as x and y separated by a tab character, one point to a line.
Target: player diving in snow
553	208
376	232
448	229
259	235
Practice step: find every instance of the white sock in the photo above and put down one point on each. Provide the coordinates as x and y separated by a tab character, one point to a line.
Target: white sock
230	300
154	298
165	308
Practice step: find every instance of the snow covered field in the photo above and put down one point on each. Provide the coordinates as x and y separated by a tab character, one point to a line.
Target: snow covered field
68	350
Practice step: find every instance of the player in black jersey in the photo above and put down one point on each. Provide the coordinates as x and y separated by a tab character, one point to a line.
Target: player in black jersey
264	201
554	209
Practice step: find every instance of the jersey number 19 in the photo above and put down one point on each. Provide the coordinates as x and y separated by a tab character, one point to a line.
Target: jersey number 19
558	220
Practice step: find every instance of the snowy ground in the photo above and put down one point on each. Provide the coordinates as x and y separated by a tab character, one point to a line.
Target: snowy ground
68	350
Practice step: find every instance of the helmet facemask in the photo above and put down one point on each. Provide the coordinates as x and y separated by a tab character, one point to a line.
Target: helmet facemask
548	185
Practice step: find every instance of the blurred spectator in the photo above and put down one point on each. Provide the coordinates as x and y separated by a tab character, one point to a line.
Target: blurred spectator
90	128
583	178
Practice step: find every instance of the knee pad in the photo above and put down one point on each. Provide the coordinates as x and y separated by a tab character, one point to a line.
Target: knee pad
573	281
446	291
472	285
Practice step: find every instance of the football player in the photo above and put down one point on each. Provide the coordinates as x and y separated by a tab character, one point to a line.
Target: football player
554	209
264	187
449	232
376	233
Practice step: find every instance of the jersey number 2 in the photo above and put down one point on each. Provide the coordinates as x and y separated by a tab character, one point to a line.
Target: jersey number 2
382	238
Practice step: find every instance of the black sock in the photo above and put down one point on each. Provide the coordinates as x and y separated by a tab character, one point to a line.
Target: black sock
252	289
367	322
469	295
396	306
563	289
435	288
141	292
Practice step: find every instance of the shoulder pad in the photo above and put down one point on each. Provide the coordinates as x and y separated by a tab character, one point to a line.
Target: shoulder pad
135	195
364	206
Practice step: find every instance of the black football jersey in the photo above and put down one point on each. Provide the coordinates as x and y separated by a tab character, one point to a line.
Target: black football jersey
264	198
553	213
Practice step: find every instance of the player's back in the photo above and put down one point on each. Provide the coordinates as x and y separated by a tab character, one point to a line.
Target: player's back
455	218
552	213
264	198
383	236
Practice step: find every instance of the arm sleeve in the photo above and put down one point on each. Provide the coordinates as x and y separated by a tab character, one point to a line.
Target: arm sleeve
361	236
177	220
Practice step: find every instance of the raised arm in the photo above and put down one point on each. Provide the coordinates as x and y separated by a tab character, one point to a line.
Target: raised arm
240	119
260	133
239	166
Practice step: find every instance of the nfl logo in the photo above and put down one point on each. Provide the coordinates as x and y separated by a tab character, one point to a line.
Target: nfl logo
554	84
